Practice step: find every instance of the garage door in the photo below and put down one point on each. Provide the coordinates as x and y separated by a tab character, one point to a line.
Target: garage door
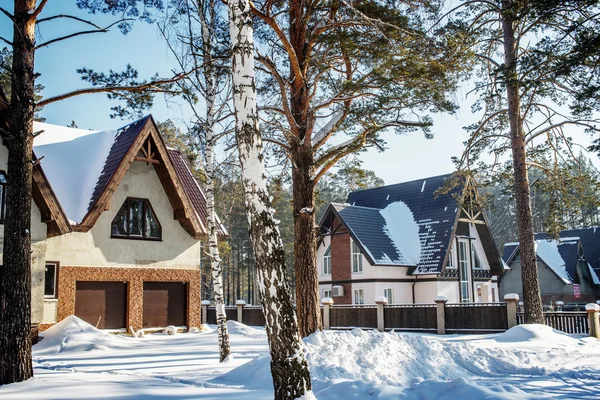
102	303
165	303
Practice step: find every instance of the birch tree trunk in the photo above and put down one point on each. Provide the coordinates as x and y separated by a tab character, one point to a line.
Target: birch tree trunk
289	368
15	291
532	300
213	243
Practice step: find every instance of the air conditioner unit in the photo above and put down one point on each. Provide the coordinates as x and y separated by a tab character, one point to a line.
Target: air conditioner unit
338	291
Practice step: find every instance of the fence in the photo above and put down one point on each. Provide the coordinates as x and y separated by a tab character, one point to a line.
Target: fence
569	322
439	317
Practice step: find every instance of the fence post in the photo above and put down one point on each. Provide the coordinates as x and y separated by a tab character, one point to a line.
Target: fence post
511	300
204	304
559	305
240	310
592	312
440	302
381	301
327	303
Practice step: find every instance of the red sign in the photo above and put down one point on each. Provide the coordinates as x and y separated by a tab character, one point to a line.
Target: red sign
576	291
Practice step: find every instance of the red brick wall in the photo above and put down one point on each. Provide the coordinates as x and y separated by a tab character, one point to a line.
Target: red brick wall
341	268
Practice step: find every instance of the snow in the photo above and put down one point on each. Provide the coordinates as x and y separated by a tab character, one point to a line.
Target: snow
73	161
547	250
403	230
594	275
77	361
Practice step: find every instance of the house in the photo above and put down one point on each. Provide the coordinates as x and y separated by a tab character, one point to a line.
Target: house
565	268
409	243
117	223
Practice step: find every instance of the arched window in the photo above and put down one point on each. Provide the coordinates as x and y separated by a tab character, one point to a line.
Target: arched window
3	183
136	220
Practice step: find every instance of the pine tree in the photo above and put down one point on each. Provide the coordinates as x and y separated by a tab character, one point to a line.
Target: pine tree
520	100
337	70
289	368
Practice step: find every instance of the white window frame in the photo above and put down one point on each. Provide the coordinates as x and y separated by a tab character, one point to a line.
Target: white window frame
464	272
327	293
358	294
54	295
451	264
388	293
356	258
326	267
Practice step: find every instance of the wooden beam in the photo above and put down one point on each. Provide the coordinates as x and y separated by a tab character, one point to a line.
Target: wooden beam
147	160
472	221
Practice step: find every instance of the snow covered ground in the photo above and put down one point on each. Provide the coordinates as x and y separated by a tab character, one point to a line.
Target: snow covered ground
76	361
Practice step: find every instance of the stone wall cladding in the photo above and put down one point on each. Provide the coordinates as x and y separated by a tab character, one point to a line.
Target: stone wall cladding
135	278
341	269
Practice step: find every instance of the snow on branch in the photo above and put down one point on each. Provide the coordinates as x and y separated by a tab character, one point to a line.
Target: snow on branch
320	137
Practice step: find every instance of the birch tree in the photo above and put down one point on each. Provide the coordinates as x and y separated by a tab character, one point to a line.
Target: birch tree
15	290
336	77
289	368
520	99
192	32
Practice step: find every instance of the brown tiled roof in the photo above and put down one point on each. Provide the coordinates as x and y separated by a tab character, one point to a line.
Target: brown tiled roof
192	188
125	138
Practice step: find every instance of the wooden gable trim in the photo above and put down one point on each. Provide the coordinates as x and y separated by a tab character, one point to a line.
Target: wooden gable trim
45	199
167	176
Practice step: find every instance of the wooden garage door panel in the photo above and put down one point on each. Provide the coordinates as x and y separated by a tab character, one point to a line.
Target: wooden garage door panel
101	301
165	303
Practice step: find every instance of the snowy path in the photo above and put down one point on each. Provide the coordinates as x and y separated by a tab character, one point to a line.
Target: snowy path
75	361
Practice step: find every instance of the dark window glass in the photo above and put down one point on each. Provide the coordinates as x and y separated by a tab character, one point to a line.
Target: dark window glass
50	281
136	219
3	183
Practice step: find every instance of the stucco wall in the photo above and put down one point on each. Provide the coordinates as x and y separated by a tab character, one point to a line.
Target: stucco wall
38	251
95	247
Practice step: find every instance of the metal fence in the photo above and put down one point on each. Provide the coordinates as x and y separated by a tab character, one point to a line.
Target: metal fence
569	322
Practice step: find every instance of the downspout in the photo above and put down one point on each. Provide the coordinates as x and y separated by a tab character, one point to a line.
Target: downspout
413	288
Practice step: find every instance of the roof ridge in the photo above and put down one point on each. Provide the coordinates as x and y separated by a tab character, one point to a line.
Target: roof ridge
402	183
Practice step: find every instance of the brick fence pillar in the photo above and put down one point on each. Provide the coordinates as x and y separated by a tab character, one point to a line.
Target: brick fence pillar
381	301
511	300
592	312
240	310
327	303
440	302
204	304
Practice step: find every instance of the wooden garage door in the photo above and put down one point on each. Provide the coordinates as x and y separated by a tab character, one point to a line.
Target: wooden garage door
102	301
165	303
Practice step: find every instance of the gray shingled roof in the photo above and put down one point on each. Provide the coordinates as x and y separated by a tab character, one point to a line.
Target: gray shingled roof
434	214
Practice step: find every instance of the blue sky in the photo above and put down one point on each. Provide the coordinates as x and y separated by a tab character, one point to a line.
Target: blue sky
408	157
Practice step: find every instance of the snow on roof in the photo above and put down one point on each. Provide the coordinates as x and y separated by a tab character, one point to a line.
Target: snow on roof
403	230
547	250
594	275
73	161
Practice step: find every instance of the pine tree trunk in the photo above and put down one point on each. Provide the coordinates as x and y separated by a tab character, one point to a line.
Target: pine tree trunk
532	301
305	246
213	242
15	293
289	368
305	234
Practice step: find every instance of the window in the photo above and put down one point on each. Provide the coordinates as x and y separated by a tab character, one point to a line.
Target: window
389	295
50	280
450	263
326	293
136	220
463	264
327	261
476	259
356	258
3	183
359	297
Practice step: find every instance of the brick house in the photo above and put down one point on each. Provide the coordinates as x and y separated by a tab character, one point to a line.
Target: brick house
408	243
568	267
117	224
